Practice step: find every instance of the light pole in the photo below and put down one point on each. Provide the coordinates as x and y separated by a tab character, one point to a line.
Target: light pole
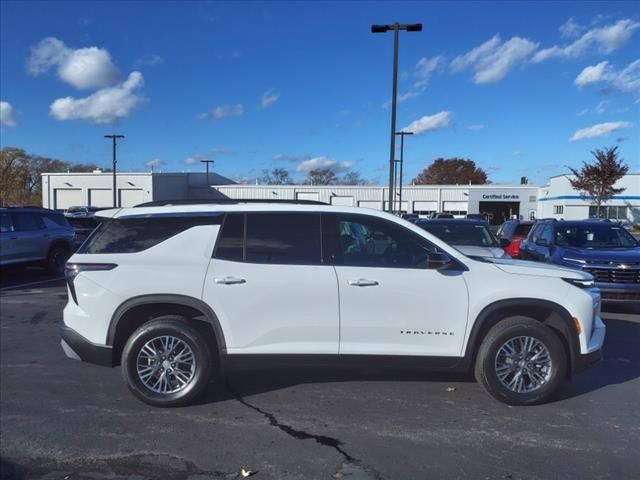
114	139
207	162
402	135
396	27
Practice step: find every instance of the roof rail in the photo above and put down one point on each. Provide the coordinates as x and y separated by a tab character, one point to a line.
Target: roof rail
226	201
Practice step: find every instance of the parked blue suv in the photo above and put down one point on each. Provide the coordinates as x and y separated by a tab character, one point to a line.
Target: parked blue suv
604	249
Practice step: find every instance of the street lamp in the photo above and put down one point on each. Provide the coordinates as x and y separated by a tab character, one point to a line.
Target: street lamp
402	135
396	27
207	162
114	139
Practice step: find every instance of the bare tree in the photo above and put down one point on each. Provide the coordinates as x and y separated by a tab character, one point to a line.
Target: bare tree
277	176
353	178
321	176
595	181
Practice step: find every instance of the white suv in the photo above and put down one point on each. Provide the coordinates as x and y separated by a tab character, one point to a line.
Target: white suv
178	294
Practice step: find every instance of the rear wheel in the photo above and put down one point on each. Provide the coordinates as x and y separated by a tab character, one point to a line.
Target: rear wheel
167	362
56	260
521	361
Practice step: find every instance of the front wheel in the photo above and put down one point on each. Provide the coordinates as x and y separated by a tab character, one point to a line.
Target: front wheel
166	362
521	361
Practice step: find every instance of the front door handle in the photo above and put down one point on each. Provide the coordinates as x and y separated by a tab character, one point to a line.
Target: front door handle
229	280
362	282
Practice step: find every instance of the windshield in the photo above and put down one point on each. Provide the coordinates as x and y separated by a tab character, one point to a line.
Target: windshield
461	233
76	210
594	236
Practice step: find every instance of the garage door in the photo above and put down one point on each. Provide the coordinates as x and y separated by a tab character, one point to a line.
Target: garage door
67	197
100	197
130	197
343	201
315	196
370	204
424	208
457	208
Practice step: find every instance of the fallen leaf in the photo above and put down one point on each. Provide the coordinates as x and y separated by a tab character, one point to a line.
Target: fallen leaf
246	473
451	389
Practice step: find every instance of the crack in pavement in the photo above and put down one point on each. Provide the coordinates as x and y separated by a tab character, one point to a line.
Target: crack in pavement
323	440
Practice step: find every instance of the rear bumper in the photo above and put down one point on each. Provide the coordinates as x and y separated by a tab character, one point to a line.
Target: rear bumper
79	348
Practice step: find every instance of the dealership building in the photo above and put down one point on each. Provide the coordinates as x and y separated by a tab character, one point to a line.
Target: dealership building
556	199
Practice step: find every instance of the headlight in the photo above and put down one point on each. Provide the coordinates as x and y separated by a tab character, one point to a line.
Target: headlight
580	283
574	260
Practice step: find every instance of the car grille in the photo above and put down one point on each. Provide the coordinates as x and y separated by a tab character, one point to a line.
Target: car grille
614	275
623	296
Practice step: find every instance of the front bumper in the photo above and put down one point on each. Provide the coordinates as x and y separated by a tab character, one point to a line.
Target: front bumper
79	348
619	293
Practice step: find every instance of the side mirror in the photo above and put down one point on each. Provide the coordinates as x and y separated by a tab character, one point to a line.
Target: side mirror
504	242
542	242
437	260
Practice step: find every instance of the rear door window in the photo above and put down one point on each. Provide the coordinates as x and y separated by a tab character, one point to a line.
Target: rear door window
231	242
283	238
28	222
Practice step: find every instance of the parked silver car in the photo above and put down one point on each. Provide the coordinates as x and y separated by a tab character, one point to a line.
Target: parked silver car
35	236
471	237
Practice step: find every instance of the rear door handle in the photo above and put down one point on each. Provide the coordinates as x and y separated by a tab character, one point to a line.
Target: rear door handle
362	282
229	280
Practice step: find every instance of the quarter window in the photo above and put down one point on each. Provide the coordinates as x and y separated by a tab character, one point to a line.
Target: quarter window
283	238
6	225
130	235
372	242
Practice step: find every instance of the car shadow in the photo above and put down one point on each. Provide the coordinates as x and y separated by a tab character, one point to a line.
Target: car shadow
245	383
620	364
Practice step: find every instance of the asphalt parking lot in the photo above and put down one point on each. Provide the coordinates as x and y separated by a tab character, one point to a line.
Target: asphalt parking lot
61	419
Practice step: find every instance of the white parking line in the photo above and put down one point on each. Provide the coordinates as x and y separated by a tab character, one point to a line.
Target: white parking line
25	285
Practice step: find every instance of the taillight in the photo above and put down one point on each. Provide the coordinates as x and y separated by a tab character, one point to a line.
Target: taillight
72	270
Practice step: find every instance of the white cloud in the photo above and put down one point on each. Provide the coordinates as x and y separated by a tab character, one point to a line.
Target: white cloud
323	162
599	130
224	111
423	70
603	39
429	122
476	127
600	107
149	60
269	98
571	29
591	74
104	106
582	112
82	68
422	74
7	115
625	80
155	163
492	60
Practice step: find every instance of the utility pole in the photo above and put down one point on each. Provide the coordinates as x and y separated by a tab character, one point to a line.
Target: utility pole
207	162
402	135
396	27
114	139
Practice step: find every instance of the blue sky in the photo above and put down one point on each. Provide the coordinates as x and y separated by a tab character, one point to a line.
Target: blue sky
521	88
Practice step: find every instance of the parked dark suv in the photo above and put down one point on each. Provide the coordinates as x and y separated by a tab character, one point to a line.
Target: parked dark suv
35	236
603	249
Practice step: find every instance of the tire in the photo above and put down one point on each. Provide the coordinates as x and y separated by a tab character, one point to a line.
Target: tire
58	256
512	379
143	375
